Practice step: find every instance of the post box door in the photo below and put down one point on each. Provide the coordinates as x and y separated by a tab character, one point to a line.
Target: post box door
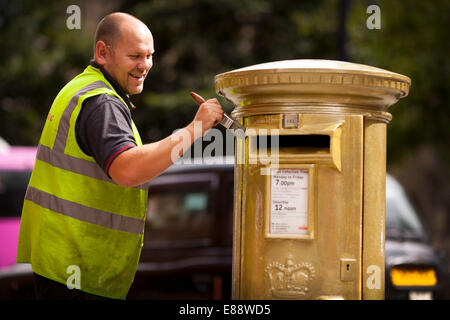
300	223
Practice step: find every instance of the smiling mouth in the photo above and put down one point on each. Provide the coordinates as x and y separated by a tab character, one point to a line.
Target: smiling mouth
138	77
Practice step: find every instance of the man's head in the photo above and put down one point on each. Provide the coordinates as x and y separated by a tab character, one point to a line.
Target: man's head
124	48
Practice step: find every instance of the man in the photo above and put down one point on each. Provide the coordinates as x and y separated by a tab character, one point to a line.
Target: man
83	215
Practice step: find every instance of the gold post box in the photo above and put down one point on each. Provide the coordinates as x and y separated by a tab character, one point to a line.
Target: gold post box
309	198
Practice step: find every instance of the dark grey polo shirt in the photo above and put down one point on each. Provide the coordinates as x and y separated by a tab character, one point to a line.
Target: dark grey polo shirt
103	128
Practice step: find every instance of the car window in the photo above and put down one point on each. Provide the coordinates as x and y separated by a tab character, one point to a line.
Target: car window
13	185
229	214
400	214
178	215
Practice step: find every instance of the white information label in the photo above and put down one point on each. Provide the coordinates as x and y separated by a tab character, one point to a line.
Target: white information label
289	201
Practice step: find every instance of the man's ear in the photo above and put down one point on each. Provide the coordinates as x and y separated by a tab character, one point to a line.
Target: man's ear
100	53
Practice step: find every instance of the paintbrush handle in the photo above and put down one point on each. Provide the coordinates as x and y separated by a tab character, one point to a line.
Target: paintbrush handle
197	98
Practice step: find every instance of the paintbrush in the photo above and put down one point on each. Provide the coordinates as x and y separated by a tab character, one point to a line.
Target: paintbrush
226	121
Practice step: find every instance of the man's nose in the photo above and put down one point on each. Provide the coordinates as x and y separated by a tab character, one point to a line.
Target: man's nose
145	64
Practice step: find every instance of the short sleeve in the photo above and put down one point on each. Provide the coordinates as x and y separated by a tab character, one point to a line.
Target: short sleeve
103	129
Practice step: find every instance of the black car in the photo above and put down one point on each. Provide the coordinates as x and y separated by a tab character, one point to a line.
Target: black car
413	268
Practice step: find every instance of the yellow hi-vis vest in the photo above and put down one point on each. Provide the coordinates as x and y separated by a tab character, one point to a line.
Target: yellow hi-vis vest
77	222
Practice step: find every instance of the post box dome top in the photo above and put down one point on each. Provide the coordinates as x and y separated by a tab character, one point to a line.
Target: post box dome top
318	65
291	84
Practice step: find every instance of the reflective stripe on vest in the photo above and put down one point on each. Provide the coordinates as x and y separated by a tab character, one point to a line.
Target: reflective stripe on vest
73	213
83	213
63	128
77	165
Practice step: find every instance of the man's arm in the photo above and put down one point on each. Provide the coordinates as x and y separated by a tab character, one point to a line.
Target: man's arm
140	164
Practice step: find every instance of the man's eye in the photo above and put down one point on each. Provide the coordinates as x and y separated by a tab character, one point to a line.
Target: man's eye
134	56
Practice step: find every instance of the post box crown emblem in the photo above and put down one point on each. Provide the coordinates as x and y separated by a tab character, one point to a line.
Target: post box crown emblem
289	280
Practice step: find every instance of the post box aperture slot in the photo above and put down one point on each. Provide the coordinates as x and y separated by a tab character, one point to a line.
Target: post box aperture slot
291	144
314	142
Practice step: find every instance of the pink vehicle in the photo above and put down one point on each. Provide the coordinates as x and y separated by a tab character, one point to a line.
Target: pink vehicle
16	164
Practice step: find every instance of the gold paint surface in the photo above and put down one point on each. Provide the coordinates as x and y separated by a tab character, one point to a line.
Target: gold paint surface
342	254
312	86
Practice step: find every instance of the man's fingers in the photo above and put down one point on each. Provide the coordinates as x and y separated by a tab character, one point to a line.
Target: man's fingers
213	100
210	112
213	108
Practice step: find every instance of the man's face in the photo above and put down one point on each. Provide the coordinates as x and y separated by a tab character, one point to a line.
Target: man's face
130	57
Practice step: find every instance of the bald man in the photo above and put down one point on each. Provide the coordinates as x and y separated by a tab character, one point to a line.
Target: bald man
124	51
84	210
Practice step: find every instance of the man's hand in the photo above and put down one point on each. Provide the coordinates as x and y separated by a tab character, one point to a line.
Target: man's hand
209	114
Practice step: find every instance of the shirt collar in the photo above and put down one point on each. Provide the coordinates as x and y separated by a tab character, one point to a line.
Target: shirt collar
115	85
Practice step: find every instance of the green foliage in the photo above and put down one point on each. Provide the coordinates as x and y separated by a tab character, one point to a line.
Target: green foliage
39	55
412	41
197	39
